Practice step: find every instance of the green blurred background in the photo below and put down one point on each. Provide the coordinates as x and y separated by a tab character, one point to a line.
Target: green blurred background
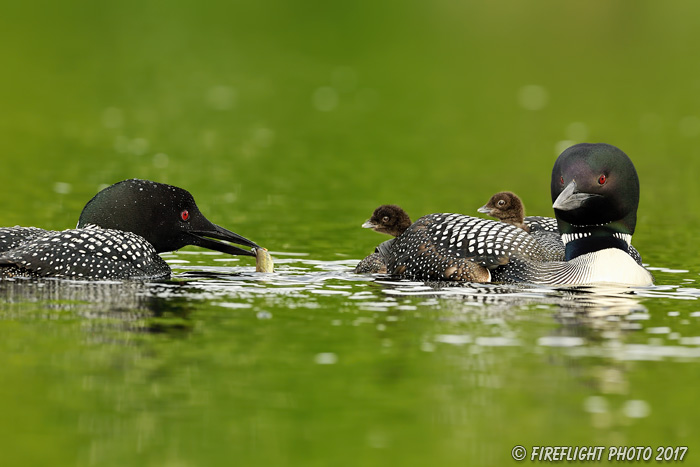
290	121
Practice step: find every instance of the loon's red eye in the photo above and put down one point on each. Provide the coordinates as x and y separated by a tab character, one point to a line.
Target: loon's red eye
561	180
602	179
185	215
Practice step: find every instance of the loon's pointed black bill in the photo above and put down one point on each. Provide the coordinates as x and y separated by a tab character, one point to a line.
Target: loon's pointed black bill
204	238
369	225
571	198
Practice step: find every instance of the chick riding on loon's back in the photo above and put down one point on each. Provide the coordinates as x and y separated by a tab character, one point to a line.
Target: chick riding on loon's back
119	235
389	219
507	207
393	220
595	194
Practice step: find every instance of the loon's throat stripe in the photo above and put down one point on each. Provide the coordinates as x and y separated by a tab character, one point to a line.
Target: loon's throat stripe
566	238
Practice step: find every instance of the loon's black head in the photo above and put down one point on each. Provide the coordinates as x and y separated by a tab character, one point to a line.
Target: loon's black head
505	206
595	191
166	216
389	219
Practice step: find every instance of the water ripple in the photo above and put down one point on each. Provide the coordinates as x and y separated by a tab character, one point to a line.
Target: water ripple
493	313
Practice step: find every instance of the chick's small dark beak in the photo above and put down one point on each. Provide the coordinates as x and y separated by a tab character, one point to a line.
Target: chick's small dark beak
204	238
485	209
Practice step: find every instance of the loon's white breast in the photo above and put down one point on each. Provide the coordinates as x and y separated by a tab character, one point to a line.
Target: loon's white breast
608	266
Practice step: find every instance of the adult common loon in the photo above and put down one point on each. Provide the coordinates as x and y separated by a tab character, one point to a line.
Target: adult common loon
119	234
389	219
595	195
508	207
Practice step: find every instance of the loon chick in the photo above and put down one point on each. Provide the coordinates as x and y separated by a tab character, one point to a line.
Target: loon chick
595	194
507	207
119	234
389	219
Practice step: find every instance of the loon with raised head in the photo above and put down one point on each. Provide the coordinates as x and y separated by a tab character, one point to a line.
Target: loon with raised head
119	234
389	219
595	195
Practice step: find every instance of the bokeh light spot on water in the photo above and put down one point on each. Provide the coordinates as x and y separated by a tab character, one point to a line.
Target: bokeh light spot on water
62	188
636	409
595	404
533	97
139	146
577	131
560	341
221	97
112	117
136	146
689	126
325	99
560	146
659	330
326	358
263	136
377	440
453	339
160	160
496	341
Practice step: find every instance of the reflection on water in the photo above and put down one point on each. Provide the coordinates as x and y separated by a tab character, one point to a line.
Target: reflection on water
592	319
221	349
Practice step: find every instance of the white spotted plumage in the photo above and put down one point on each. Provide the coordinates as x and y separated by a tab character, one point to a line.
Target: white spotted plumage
62	254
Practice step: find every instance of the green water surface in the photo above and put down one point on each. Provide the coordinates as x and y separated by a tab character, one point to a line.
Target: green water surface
290	121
